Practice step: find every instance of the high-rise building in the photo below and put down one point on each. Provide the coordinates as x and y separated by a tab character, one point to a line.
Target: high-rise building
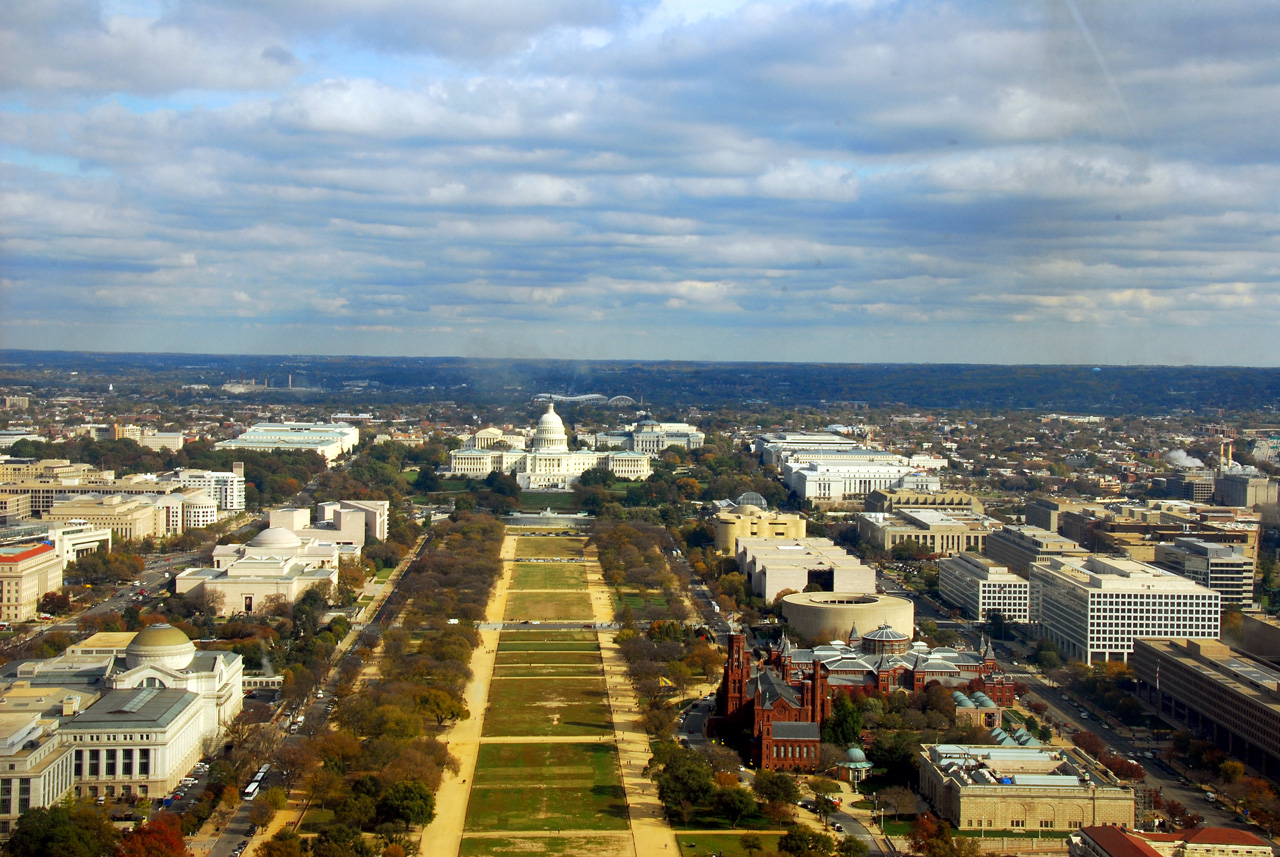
225	487
1016	547
980	586
1094	607
1223	568
27	571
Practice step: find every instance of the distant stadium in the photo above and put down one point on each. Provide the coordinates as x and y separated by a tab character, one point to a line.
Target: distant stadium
585	399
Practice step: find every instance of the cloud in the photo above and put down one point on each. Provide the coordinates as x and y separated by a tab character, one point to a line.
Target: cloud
800	180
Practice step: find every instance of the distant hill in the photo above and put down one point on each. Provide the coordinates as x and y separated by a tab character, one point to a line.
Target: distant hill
1106	389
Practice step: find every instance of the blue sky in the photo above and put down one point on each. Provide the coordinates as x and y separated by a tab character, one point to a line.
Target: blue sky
846	181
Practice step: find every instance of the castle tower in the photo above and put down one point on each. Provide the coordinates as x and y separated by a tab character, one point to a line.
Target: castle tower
736	667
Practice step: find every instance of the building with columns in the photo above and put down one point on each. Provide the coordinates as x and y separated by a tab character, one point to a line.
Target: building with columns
547	464
116	715
1022	789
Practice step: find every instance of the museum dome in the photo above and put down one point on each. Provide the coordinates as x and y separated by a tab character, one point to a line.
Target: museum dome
853	754
276	537
550	435
160	645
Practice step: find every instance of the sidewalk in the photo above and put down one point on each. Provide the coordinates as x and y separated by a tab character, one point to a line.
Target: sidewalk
650	831
443	836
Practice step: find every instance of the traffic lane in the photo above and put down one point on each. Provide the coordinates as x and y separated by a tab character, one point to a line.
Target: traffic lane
236	832
855	828
1167	781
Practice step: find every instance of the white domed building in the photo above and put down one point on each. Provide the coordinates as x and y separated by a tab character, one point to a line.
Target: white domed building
276	562
548	464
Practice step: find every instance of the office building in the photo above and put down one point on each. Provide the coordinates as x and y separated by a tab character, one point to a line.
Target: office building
27	571
225	487
329	440
1222	568
1135	529
652	437
778	447
892	499
14	508
131	518
1215	690
1021	789
1045	512
1194	485
1017	547
936	531
831	484
774	565
1245	489
1094	607
979	586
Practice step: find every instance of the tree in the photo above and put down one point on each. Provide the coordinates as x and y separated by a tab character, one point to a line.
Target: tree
932	837
1230	771
408	802
55	603
802	842
324	785
733	802
897	800
684	782
207	601
844	726
261	812
75	831
292	760
285	843
771	786
1089	742
159	837
852	846
751	843
441	706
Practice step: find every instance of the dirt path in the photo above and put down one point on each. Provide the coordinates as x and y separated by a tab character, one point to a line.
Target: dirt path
444	835
649	829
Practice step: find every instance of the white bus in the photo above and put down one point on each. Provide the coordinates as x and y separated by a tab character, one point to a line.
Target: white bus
251	790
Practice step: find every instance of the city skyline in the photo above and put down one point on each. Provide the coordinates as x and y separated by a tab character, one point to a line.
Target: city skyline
1069	183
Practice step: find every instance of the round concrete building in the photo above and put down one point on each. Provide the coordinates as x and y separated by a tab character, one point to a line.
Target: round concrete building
847	615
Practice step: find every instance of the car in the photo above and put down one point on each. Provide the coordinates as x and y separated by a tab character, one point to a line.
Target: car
838	827
253	830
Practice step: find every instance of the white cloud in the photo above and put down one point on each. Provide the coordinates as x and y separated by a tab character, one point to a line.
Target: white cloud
755	167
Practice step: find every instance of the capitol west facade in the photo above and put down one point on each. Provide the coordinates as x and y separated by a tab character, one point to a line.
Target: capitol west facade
548	463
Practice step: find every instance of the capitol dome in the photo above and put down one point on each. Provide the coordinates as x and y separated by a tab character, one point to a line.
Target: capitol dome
550	436
276	537
160	645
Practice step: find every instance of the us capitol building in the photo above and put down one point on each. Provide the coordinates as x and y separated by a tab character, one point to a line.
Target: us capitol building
547	464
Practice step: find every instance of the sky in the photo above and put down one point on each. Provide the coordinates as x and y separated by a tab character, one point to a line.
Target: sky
865	181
